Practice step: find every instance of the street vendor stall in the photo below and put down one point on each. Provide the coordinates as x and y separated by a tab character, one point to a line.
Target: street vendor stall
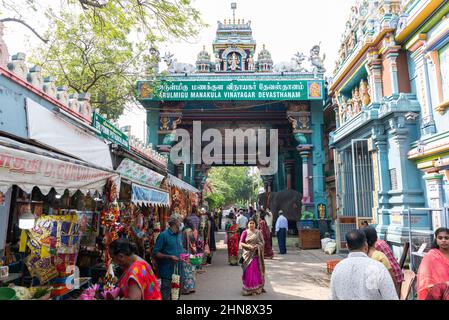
143	206
49	209
183	196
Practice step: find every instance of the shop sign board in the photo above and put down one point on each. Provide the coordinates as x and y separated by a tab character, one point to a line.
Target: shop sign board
109	131
229	90
139	173
27	170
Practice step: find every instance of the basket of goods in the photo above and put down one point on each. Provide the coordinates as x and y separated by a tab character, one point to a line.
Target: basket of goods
196	259
175	284
331	265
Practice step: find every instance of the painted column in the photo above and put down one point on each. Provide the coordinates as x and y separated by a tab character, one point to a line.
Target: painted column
408	193
434	187
392	57
429	123
288	168
317	119
153	125
374	69
423	91
383	214
306	198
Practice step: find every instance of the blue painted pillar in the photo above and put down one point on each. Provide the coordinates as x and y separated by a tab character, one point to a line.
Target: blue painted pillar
153	125
186	176
382	177
317	119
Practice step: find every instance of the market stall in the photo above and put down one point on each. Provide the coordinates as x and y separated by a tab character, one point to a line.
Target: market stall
143	206
51	205
183	196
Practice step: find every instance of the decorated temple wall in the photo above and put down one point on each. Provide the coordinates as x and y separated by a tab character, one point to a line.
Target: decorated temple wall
429	52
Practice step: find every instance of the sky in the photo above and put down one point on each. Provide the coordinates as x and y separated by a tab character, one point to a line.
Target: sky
284	26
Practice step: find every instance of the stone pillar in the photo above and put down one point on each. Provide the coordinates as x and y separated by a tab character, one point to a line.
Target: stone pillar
392	55
381	145
317	119
408	193
434	186
306	188
429	122
289	168
374	69
153	125
423	90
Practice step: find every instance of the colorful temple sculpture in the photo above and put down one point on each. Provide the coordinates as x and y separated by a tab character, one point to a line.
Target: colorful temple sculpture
389	133
237	87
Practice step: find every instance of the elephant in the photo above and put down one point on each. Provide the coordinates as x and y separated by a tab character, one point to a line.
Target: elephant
287	200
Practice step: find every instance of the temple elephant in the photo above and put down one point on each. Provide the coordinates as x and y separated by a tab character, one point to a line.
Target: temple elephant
288	201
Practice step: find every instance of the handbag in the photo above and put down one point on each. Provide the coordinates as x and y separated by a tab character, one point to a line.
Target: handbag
241	260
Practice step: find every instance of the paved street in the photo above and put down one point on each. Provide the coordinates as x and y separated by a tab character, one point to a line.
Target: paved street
300	274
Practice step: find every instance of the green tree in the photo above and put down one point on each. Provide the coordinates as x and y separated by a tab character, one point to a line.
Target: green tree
101	46
232	185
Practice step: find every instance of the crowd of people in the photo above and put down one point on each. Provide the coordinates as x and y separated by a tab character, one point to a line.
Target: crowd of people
371	272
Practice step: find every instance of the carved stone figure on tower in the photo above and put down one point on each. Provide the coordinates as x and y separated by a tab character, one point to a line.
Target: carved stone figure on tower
250	63
177	67
217	63
316	60
234	62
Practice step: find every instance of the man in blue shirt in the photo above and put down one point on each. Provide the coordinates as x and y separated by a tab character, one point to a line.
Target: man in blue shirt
281	231
167	251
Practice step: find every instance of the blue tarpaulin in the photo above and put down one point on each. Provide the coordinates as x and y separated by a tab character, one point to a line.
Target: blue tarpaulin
148	196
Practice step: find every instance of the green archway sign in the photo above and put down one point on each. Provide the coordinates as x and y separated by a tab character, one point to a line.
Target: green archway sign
228	90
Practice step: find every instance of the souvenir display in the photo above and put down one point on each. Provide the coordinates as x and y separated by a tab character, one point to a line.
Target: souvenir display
54	245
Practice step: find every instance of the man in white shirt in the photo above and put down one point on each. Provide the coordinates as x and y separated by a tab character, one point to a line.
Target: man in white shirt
281	232
242	221
358	277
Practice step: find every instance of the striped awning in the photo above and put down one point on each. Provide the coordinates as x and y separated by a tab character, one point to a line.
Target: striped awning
29	166
149	196
173	181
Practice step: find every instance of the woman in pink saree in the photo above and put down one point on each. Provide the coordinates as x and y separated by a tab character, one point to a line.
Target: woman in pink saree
434	268
253	261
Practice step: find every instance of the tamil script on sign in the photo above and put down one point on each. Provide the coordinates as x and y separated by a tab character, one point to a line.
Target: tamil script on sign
234	90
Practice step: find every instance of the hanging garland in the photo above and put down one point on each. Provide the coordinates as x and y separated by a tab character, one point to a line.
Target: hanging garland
110	218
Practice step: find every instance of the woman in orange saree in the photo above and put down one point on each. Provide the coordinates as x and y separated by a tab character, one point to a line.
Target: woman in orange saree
233	243
434	268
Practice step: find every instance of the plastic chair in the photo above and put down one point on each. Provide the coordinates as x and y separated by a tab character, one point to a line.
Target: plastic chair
409	279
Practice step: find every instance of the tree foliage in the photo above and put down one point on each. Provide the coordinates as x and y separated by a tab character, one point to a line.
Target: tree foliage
232	185
101	46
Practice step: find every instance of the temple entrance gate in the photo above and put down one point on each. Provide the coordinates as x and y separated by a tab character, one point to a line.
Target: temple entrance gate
237	93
